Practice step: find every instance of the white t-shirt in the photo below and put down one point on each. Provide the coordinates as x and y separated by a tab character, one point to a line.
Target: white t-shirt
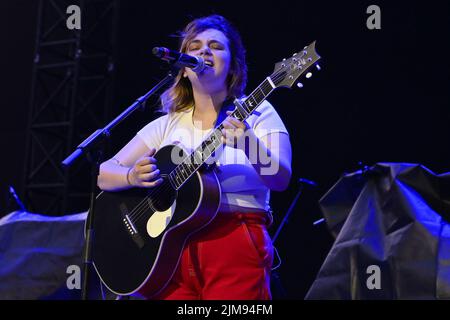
242	188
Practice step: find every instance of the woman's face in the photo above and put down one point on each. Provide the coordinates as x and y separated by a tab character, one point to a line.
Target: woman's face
212	45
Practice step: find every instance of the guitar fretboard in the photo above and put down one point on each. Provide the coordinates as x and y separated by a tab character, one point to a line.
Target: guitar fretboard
201	154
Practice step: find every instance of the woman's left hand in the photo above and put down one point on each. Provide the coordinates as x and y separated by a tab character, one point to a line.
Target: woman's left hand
233	131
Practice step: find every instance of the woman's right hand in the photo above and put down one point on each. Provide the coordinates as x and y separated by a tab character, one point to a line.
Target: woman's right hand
144	171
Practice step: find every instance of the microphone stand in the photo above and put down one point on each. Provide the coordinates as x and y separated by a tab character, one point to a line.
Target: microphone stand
275	274
93	147
303	182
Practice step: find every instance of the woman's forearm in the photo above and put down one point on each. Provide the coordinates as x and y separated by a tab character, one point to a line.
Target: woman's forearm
112	176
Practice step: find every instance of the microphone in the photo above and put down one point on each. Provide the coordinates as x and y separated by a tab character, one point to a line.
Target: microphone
197	64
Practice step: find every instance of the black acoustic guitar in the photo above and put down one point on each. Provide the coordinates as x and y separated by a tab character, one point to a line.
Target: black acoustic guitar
140	233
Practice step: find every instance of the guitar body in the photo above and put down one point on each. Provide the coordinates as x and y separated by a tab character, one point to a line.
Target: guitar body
140	233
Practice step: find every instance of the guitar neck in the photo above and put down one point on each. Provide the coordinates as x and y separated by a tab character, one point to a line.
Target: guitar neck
203	152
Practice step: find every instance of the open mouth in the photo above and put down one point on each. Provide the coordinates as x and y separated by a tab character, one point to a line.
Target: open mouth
209	63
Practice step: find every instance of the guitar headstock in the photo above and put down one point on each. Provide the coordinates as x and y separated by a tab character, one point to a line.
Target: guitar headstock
289	70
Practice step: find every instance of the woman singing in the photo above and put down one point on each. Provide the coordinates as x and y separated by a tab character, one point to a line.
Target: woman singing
231	257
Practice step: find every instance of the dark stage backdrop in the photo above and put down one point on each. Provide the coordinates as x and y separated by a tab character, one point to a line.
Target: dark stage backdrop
382	95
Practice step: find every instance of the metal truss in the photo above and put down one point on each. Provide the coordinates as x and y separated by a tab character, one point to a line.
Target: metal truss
72	90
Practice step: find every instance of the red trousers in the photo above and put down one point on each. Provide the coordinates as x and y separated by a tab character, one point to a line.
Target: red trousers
230	259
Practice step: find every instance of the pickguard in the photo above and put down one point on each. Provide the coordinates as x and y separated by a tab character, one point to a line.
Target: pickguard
159	221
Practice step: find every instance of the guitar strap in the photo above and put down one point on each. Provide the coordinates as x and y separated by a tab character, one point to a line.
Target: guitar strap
228	105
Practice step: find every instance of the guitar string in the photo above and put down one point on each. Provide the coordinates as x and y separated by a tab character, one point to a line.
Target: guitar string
141	208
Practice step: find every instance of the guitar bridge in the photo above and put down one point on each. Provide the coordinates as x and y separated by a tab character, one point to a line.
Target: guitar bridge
129	225
133	232
131	228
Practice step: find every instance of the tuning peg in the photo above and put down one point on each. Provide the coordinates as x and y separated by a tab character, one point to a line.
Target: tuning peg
318	66
309	75
299	84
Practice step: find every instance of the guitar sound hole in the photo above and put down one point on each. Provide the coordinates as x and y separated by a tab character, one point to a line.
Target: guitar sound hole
163	196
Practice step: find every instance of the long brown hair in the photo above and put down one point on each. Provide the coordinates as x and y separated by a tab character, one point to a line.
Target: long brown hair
179	96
